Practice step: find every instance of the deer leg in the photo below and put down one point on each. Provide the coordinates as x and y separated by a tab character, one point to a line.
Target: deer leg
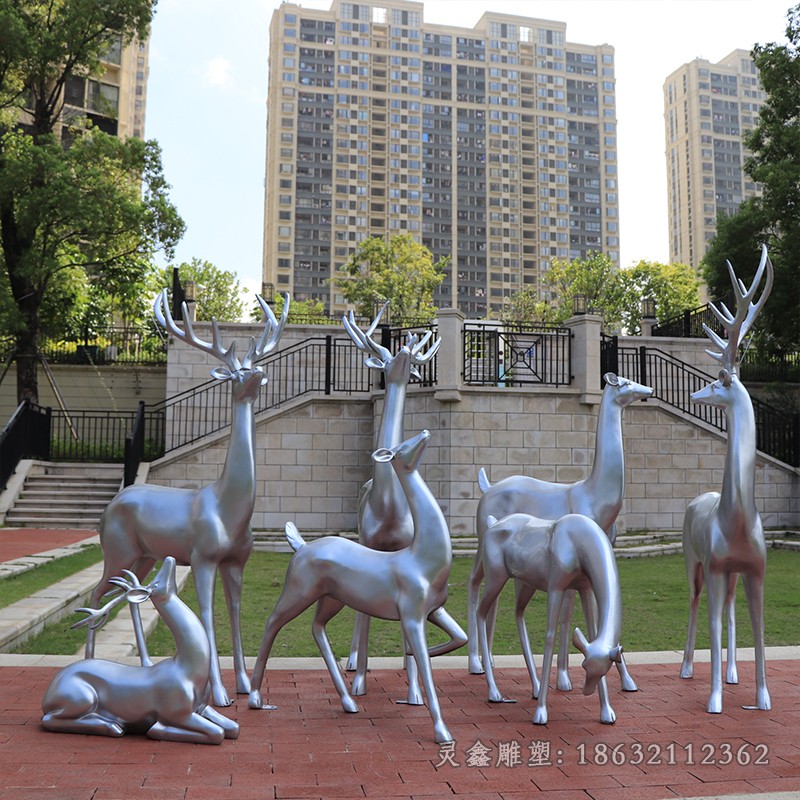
563	681
555	599
231	573
414	631
442	620
732	673
195	729
230	728
204	583
327	608
359	687
414	696
111	567
754	592
589	604
716	588
491	589
696	578
473	597
141	569
524	594
352	660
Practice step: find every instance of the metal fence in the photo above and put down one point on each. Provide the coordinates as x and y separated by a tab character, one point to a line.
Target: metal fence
689	324
517	355
27	435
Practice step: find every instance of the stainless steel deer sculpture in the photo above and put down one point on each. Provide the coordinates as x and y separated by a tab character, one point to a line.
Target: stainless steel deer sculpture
384	516
168	700
599	497
572	553
409	585
722	532
206	528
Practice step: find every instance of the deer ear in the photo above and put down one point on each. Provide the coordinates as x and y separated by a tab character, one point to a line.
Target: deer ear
382	455
611	379
415	372
725	378
221	373
374	362
579	640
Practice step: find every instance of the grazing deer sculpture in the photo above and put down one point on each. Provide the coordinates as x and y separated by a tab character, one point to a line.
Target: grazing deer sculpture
384	516
409	585
599	497
169	699
572	553
723	536
206	528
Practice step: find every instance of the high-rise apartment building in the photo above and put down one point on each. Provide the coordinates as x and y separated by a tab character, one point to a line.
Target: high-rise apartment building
495	145
708	108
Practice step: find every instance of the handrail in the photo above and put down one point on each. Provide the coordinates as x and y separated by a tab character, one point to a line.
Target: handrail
26	435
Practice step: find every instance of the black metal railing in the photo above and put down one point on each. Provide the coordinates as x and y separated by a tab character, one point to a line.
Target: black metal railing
108	345
689	324
134	447
394	338
759	366
674	381
517	355
27	435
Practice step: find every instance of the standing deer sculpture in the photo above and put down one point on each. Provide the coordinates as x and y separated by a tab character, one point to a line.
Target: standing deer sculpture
207	528
723	536
384	516
168	700
409	585
572	553
599	497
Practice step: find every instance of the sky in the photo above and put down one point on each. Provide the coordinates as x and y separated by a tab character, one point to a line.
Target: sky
207	89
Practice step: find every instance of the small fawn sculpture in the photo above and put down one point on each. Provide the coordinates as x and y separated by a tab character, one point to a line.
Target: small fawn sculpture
599	497
723	536
168	700
384	516
570	554
206	528
409	585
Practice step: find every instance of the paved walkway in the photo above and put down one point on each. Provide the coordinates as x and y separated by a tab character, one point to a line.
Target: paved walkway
16	543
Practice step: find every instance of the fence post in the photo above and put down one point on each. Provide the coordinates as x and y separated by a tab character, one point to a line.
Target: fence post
328	363
643	365
585	352
450	364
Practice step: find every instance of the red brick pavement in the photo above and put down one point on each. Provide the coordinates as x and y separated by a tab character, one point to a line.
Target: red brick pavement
310	748
20	542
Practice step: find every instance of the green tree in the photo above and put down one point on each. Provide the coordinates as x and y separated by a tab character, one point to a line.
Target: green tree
525	306
401	270
673	288
300	311
218	293
98	206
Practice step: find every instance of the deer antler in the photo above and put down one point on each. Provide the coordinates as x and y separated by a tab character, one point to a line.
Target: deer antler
214	348
737	325
363	339
132	591
271	335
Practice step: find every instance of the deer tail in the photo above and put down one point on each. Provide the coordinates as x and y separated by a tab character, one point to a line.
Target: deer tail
293	536
483	481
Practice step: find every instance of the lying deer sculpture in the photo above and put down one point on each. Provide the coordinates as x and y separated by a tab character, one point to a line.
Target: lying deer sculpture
409	585
722	532
384	516
206	528
599	497
570	554
168	700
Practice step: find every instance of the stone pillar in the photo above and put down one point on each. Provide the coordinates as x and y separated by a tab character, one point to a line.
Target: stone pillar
586	330
450	358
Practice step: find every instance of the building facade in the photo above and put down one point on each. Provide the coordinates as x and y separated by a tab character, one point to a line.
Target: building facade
494	145
708	108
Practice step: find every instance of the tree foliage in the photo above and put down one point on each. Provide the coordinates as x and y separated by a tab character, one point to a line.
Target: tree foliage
774	218
81	212
400	270
218	293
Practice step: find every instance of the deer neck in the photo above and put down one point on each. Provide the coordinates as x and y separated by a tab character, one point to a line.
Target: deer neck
390	434
431	543
236	486
606	482
737	509
192	650
600	566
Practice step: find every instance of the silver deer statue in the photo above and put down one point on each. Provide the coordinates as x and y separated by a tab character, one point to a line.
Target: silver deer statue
409	585
168	700
207	528
384	516
722	532
570	554
599	497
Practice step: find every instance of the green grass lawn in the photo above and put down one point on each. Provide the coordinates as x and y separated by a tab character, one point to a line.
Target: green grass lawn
655	611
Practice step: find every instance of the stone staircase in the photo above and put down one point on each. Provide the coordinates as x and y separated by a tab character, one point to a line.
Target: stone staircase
64	495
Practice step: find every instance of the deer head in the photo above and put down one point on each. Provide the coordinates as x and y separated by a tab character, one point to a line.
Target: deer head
246	377
597	660
399	367
626	391
407	455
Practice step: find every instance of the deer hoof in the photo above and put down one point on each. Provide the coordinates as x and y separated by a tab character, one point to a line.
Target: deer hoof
359	685
607	716
349	705
732	675
254	701
714	704
441	735
540	716
687	670
564	683
628	684
475	667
